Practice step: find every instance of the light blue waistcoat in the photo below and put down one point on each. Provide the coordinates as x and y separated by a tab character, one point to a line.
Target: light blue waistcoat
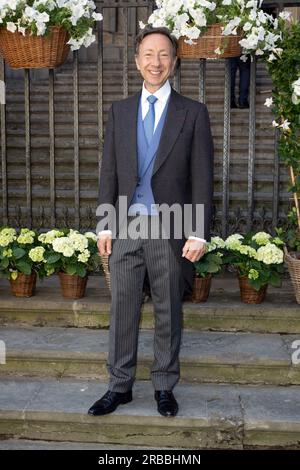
146	157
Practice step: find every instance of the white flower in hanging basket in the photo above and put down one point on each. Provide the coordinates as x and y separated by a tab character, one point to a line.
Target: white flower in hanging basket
191	18
78	17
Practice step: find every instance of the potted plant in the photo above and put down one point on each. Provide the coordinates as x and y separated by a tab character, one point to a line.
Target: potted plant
284	68
209	265
73	256
258	259
21	260
39	33
220	28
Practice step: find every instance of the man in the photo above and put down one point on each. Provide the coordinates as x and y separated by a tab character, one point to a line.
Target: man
244	68
157	150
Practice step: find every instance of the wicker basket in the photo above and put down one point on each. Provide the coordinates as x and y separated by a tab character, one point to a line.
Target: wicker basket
201	289
34	51
24	285
293	263
72	286
248	294
204	47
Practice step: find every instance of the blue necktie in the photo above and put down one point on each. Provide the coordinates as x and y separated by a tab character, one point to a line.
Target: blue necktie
150	118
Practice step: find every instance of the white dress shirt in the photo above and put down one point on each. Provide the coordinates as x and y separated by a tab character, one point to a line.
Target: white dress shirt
162	95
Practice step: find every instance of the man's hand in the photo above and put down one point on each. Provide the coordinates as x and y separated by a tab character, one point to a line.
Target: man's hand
104	244
193	250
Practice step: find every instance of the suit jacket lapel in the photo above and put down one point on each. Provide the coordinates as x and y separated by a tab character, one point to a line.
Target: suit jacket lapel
130	132
173	124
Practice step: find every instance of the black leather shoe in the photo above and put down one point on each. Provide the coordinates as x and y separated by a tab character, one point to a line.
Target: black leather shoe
233	104
109	402
166	403
244	104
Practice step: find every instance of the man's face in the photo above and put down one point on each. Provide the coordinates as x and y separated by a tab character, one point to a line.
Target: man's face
155	60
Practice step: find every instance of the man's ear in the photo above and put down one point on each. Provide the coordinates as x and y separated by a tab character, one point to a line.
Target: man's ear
176	64
136	62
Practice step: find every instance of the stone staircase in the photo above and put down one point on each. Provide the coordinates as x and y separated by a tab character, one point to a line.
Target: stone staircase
239	388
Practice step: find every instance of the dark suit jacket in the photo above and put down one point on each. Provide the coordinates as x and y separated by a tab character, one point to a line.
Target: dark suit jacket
183	168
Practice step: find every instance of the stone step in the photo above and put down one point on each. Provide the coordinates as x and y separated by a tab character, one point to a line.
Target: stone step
25	444
210	415
221	357
223	311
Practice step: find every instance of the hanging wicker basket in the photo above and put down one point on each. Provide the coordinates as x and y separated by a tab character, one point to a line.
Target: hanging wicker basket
72	286
34	51
249	295
204	47
292	260
24	285
201	289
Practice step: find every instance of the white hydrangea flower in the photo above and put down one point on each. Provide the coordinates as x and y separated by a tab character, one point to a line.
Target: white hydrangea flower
7	236
63	245
84	256
247	250
233	242
26	238
48	237
261	238
270	254
37	254
91	235
215	243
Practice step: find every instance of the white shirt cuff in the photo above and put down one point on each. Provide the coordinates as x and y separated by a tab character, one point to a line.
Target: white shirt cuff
197	238
104	232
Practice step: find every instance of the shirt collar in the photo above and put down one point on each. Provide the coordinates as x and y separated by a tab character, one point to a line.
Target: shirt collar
162	94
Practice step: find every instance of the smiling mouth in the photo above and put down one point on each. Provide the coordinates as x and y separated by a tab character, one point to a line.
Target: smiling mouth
154	73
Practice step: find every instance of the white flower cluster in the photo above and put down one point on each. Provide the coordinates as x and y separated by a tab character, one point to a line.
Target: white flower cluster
7	236
26	236
73	244
285	124
37	254
190	18
268	252
214	244
49	236
261	238
22	16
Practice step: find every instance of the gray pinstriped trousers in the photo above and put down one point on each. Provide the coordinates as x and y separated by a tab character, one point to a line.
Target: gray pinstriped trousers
128	263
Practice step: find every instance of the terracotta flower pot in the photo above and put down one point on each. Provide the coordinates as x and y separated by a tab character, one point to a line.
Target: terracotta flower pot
24	285
248	294
72	286
201	289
